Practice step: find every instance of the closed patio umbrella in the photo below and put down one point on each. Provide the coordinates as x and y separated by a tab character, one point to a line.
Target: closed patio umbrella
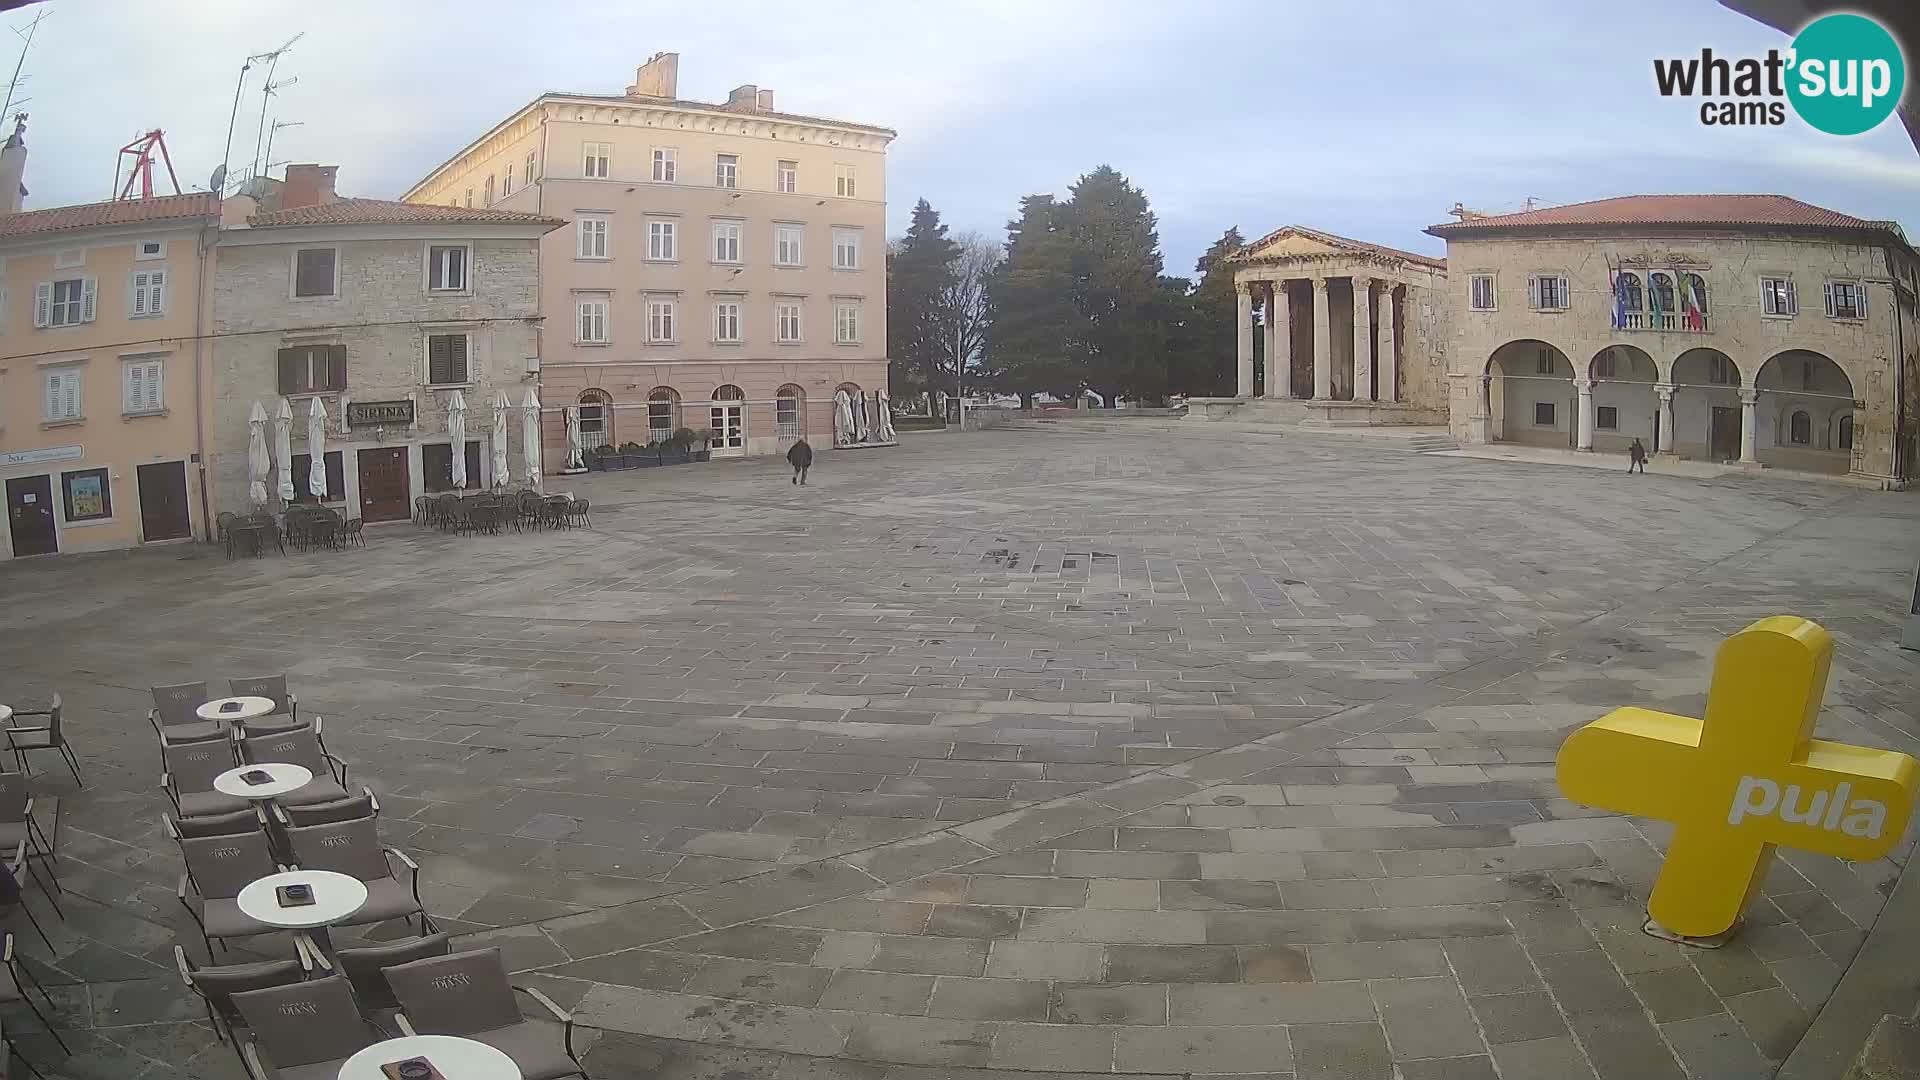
530	436
257	462
457	434
501	407
317	450
283	449
575	460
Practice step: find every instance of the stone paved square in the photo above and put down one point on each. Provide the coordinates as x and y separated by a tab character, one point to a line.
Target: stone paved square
1079	752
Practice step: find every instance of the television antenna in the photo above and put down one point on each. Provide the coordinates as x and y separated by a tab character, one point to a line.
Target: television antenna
272	130
271	57
13	85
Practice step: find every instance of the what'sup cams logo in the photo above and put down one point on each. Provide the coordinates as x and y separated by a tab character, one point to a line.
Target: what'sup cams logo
1843	75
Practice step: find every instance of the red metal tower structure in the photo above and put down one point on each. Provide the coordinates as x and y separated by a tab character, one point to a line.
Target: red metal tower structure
141	150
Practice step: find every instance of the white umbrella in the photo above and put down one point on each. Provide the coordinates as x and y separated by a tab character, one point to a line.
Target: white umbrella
283	448
457	434
317	450
576	458
530	436
257	463
501	407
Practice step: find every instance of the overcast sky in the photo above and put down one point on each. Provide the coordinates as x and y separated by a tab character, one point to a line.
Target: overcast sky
1368	119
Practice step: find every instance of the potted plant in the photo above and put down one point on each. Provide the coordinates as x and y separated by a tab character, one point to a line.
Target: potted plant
596	459
683	443
701	448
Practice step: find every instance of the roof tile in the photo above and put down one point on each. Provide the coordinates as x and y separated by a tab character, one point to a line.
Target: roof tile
95	215
389	212
1732	210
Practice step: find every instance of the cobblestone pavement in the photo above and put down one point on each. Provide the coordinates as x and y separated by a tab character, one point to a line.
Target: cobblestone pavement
1011	751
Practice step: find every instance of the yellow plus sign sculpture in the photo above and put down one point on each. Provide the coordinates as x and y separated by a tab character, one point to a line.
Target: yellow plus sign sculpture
1747	777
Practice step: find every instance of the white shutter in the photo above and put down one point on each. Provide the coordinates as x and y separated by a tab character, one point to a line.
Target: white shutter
42	303
1564	297
1860	300
53	395
1533	292
156	291
1829	288
1793	303
149	397
134	395
86	302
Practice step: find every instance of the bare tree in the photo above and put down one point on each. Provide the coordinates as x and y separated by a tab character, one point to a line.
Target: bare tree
963	306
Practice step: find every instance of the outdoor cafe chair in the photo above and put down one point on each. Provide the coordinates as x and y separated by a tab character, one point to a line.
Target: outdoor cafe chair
353	532
12	895
365	966
293	815
577	512
467	994
300	746
239	821
218	867
556	513
173	717
286	707
48	736
422	508
216	986
188	778
19	975
19	832
306	1029
353	848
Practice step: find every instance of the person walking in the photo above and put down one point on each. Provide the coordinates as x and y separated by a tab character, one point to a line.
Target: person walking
800	456
1637	457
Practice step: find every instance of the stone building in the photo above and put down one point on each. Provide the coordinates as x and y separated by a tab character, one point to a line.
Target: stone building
388	313
725	268
1347	332
1727	327
100	389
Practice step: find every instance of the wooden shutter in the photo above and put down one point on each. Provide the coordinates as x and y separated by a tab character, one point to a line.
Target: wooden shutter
136	388
139	294
1533	292
1859	300
447	359
53	395
292	371
1829	288
154	372
336	363
156	291
86	300
1793	304
42	303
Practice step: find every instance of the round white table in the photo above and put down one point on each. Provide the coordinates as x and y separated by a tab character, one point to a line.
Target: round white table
286	778
249	708
456	1058
335	897
6	714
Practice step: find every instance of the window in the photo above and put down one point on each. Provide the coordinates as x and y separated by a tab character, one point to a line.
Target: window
599	161
846	324
726	170
1606	418
147	293
660	240
1800	428
313	369
1543	361
843	181
1845	438
469	198
447	360
666	164
506	182
150	249
726	321
1660	284
86	494
592	233
593	321
786	177
1846	300
726	241
1547	292
447	267
335	466
67	302
141	387
786	321
596	419
1603	366
1632	297
1543	414
63	396
489	195
1693	290
1721	372
660	319
1776	297
1480	292
663	414
786	413
314	269
846	249
528	176
787	250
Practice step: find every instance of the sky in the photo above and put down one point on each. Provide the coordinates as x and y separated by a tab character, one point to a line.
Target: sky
1369	120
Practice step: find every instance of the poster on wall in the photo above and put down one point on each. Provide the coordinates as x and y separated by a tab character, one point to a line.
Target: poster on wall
88	492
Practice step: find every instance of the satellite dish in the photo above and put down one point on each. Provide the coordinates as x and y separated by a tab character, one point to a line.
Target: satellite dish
218	181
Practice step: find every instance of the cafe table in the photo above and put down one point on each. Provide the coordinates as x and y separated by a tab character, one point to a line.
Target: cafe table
454	1057
335	897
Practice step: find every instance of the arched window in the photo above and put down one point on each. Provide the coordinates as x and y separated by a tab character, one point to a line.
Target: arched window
1630	295
663	413
1696	291
596	419
1845	437
788	408
852	389
729	392
1660	284
1800	428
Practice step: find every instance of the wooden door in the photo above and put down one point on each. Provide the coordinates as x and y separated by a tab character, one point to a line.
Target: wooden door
384	485
30	515
163	501
1723	438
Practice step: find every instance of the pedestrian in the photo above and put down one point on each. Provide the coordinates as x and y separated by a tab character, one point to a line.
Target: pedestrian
1637	457
800	456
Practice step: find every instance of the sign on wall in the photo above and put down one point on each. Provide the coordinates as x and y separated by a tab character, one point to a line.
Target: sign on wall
380	412
33	457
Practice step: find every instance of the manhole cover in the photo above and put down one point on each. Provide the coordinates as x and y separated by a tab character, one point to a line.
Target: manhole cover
1229	800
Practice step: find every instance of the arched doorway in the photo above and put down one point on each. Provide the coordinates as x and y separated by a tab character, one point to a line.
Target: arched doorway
596	419
729	422
1707	420
1625	406
1805	413
663	413
1530	396
790	413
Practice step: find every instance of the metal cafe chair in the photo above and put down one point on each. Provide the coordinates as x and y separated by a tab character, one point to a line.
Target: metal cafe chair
48	736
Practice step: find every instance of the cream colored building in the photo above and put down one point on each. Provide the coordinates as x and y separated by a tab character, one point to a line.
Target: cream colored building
724	267
1754	328
100	392
387	313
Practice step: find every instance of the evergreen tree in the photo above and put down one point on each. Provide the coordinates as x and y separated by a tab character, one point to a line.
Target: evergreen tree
1123	315
1030	345
1206	366
920	268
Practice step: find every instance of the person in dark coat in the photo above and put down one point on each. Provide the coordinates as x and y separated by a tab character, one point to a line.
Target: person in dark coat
1637	457
800	456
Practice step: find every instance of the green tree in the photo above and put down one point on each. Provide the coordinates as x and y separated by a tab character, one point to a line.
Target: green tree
1030	345
920	268
1117	267
1206	363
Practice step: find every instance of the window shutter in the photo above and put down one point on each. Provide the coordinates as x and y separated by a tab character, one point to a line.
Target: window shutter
336	367
139	294
1533	292
53	396
1859	293
156	291
86	300
289	380
153	384
135	392
42	303
1829	288
1793	304
1564	297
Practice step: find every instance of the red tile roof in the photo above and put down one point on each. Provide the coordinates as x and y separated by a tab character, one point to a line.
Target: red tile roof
1343	243
1698	210
388	212
164	208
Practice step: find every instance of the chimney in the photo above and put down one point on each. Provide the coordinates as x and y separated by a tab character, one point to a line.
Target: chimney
13	166
659	77
308	185
743	98
764	101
